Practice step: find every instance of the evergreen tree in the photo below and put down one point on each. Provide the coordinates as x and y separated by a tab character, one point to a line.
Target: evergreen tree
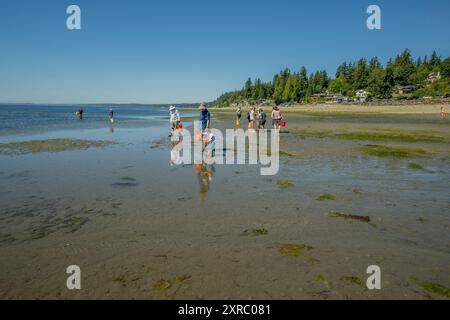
289	93
435	60
341	70
374	63
340	85
303	83
445	68
377	85
257	90
278	88
248	89
420	74
419	62
360	75
403	68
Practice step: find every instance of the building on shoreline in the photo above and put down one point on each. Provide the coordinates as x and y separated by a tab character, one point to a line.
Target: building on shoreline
406	89
361	95
434	76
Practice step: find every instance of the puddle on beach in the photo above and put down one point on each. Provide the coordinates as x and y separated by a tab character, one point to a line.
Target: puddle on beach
141	227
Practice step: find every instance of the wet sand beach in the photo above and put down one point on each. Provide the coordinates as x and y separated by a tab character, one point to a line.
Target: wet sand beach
353	190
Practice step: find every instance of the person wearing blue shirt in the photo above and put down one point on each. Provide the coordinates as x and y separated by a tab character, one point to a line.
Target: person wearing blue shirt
205	117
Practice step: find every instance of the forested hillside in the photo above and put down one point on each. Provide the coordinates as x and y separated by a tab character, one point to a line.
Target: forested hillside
421	77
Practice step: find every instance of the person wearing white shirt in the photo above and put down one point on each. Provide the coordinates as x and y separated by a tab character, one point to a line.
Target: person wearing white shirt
174	119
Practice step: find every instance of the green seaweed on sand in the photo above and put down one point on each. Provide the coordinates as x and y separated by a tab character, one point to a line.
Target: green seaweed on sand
392	152
255	232
353	280
49	145
283	184
73	224
181	278
287	154
379	135
120	279
326	196
321	279
433	287
292	250
164	284
336	214
419	167
415	166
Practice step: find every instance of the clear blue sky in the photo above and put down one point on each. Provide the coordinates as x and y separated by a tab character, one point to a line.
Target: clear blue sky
189	51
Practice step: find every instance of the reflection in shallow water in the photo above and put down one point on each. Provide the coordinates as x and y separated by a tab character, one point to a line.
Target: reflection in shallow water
176	147
203	167
205	174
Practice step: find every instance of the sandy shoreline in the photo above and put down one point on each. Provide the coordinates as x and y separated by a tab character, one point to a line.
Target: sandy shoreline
382	109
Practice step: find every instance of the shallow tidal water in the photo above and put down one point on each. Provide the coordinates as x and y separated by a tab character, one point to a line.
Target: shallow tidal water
139	227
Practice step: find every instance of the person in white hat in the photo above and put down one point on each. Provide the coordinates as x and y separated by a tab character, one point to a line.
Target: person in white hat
174	119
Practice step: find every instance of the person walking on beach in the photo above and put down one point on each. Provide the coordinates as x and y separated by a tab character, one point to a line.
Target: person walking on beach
111	115
80	113
238	115
276	117
251	115
261	119
443	113
174	119
205	117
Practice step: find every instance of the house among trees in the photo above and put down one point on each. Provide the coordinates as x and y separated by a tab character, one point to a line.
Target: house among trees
434	76
335	98
361	95
406	89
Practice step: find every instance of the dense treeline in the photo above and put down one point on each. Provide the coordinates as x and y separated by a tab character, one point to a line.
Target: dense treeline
370	75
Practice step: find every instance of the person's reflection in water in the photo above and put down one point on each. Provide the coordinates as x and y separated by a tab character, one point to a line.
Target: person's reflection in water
111	128
175	152
205	174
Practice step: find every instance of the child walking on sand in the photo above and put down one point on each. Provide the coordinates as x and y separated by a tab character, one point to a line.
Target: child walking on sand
443	113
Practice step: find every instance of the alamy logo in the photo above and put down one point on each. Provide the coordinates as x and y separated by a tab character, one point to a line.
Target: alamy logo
374	280
374	20
209	147
74	20
74	280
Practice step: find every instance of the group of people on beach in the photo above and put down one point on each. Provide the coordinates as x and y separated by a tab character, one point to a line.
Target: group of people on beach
205	171
254	116
175	119
258	116
201	132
